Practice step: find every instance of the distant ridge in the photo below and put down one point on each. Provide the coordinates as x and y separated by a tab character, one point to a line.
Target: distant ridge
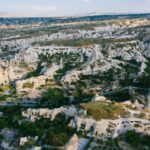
20	15
45	20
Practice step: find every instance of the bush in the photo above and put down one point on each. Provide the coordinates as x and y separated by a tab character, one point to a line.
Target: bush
10	121
54	98
23	64
35	73
59	133
137	139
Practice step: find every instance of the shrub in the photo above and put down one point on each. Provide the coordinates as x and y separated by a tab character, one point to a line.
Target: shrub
54	97
132	138
23	64
59	133
35	73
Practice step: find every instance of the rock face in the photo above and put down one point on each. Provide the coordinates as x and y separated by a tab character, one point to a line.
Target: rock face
6	145
148	101
10	71
97	61
23	141
52	70
8	134
73	143
36	81
97	97
116	127
138	105
33	114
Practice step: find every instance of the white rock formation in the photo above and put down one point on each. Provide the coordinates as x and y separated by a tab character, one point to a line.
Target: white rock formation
97	97
33	114
116	127
23	141
73	143
148	100
36	81
10	71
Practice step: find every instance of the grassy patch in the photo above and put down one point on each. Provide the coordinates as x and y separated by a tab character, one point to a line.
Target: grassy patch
23	64
28	85
84	42
4	88
103	110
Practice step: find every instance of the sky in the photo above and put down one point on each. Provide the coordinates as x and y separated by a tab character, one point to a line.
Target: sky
49	8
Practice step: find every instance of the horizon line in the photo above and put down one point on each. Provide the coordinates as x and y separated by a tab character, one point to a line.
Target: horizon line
77	15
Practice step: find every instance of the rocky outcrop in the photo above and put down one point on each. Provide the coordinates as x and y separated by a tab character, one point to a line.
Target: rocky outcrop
33	114
111	128
97	97
148	101
73	143
11	71
35	83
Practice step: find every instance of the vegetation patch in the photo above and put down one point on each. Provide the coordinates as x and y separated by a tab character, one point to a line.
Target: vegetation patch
136	140
28	85
54	98
4	88
59	133
23	64
104	110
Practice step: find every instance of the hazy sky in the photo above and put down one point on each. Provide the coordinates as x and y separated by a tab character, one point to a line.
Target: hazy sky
71	7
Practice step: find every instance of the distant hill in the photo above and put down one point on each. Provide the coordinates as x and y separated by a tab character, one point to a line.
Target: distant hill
5	20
